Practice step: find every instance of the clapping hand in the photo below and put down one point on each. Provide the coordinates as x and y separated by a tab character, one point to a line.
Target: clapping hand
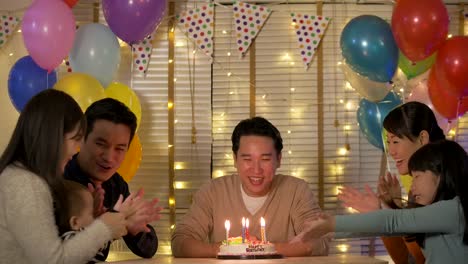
390	190
98	197
139	212
363	202
317	228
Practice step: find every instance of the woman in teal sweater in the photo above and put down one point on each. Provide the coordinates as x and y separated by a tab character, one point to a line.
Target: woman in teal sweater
440	181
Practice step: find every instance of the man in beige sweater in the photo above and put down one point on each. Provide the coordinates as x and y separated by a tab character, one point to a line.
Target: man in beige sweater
285	202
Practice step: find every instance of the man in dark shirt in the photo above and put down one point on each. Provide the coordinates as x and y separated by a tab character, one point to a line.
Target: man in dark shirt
110	129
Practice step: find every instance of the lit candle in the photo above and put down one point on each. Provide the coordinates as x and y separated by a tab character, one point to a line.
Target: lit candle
243	229
262	230
247	235
227	225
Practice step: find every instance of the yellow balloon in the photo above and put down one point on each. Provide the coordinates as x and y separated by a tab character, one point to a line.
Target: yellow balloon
124	94
84	88
132	160
406	181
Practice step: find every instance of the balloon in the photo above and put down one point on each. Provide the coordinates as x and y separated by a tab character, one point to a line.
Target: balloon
451	66
413	69
96	52
420	93
369	49
371	115
444	102
370	90
132	160
420	27
27	79
132	21
127	96
82	87
48	32
71	3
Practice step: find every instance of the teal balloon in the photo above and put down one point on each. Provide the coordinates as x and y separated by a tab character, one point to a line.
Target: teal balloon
371	115
368	46
96	52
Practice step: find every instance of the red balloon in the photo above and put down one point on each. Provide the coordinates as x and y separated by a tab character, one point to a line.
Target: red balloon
445	103
71	3
419	27
451	66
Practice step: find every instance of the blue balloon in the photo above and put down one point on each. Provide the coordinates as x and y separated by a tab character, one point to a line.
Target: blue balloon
27	79
371	115
368	46
96	52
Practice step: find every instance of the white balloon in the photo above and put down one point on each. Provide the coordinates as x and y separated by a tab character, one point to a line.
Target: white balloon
370	90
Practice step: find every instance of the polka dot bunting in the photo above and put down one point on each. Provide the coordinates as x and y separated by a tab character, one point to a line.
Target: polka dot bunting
248	21
7	27
309	31
142	54
198	24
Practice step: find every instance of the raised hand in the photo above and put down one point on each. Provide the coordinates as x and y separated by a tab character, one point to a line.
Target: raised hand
98	196
317	228
140	212
116	222
389	190
363	202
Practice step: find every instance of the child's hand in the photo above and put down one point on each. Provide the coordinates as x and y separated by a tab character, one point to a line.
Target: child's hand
98	196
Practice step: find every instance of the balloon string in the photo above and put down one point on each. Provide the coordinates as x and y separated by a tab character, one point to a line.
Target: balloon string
456	118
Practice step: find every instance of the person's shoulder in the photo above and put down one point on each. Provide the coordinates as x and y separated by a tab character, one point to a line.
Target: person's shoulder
219	183
290	180
16	175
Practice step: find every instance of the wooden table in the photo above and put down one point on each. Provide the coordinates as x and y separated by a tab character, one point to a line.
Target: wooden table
348	259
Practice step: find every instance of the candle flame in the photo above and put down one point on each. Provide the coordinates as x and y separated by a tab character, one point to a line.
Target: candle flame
243	221
247	223
262	221
227	225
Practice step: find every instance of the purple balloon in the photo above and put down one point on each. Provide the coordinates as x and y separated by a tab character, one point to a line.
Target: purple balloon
131	20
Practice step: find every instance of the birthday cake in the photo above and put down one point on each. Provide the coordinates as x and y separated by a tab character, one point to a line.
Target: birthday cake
234	248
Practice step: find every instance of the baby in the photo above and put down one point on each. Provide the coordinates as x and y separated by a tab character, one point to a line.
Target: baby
76	213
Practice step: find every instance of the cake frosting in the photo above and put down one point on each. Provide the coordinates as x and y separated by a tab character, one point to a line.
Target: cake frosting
234	246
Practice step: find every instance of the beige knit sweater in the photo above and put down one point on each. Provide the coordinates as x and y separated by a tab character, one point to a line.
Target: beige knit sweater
28	233
290	203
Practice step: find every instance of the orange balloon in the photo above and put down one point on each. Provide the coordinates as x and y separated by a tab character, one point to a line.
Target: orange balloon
132	160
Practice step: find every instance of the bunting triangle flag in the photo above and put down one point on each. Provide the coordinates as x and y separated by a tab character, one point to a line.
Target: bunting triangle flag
8	25
249	20
142	54
309	32
198	24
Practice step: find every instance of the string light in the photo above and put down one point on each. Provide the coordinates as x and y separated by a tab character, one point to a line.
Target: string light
175	79
224	32
289	131
176	121
293	89
170	61
343	247
11	54
229	54
171	201
170	146
229	74
342	151
341	101
170	105
19	31
264	96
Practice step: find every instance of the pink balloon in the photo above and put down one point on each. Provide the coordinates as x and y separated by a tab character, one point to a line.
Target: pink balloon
420	93
48	32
